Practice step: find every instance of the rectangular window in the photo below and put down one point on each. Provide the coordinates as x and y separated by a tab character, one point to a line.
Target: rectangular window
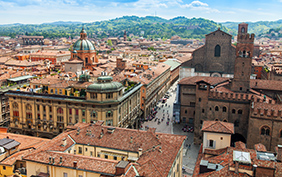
115	157
91	153
80	150
70	111
109	95
106	156
65	175
4	167
83	112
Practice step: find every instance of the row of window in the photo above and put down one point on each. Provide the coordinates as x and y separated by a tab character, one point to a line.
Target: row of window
265	130
224	109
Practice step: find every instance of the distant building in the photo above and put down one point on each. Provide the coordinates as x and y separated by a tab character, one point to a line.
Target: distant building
84	50
32	40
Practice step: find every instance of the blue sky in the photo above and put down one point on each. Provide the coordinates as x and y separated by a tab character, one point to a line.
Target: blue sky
41	11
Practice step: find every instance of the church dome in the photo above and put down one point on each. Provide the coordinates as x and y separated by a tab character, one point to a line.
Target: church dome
105	84
83	43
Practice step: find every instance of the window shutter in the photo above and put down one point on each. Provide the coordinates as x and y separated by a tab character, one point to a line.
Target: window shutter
208	143
214	144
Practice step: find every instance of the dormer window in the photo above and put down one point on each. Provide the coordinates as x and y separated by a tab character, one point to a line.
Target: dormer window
203	87
109	95
93	95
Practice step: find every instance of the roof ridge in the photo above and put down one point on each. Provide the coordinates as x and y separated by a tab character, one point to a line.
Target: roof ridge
224	125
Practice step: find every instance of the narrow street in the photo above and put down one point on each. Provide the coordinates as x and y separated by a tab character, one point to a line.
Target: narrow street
190	151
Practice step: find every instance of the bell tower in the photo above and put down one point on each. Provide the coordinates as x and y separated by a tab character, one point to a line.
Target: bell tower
243	61
124	36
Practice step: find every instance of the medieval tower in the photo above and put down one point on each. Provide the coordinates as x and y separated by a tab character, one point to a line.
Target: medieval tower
243	61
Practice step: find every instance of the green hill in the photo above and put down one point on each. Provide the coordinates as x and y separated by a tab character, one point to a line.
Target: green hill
148	27
259	28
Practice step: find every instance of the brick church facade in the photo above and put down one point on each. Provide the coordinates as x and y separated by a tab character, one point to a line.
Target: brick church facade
216	56
253	106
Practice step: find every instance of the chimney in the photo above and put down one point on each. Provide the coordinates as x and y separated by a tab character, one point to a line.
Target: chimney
160	149
50	160
279	153
121	167
111	130
140	151
64	142
236	167
75	164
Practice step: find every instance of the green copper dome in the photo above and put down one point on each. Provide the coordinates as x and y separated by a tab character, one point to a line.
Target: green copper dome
105	84
83	44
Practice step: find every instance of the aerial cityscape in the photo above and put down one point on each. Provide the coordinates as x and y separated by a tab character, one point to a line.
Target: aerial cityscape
138	88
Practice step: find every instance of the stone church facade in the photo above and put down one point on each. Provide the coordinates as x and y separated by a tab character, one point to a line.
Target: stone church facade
216	56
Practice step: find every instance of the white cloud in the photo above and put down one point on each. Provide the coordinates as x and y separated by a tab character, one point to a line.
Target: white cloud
194	4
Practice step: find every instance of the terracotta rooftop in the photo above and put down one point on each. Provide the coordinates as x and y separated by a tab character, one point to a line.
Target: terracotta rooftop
158	149
210	80
218	126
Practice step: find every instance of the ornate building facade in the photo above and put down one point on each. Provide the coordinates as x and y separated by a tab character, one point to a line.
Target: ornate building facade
47	115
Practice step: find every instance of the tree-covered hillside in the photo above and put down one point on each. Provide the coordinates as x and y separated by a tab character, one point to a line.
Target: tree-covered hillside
258	28
148	27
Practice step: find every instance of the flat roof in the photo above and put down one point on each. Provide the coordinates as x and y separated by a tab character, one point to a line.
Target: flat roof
15	79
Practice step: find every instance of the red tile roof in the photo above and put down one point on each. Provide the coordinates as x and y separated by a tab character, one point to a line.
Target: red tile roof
218	126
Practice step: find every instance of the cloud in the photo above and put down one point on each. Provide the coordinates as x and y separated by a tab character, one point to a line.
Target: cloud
198	5
195	4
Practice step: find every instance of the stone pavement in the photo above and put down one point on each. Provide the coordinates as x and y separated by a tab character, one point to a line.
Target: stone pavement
189	154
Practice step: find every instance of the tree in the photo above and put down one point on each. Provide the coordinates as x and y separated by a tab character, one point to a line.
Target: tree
110	42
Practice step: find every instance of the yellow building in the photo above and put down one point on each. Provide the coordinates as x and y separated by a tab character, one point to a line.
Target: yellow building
12	148
97	150
47	115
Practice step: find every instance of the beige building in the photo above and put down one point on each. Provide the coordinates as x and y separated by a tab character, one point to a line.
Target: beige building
63	105
92	150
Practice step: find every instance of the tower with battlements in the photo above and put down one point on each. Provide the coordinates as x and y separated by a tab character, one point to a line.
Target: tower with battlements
243	61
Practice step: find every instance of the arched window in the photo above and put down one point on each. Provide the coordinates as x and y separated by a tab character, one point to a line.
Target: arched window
243	30
60	116
265	130
216	108
240	111
28	107
233	111
109	114
15	105
224	120
236	123
60	111
93	114
224	109
217	51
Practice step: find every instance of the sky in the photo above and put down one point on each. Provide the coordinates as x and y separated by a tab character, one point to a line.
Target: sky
44	11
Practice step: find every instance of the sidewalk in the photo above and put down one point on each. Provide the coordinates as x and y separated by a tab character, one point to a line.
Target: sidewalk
191	155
